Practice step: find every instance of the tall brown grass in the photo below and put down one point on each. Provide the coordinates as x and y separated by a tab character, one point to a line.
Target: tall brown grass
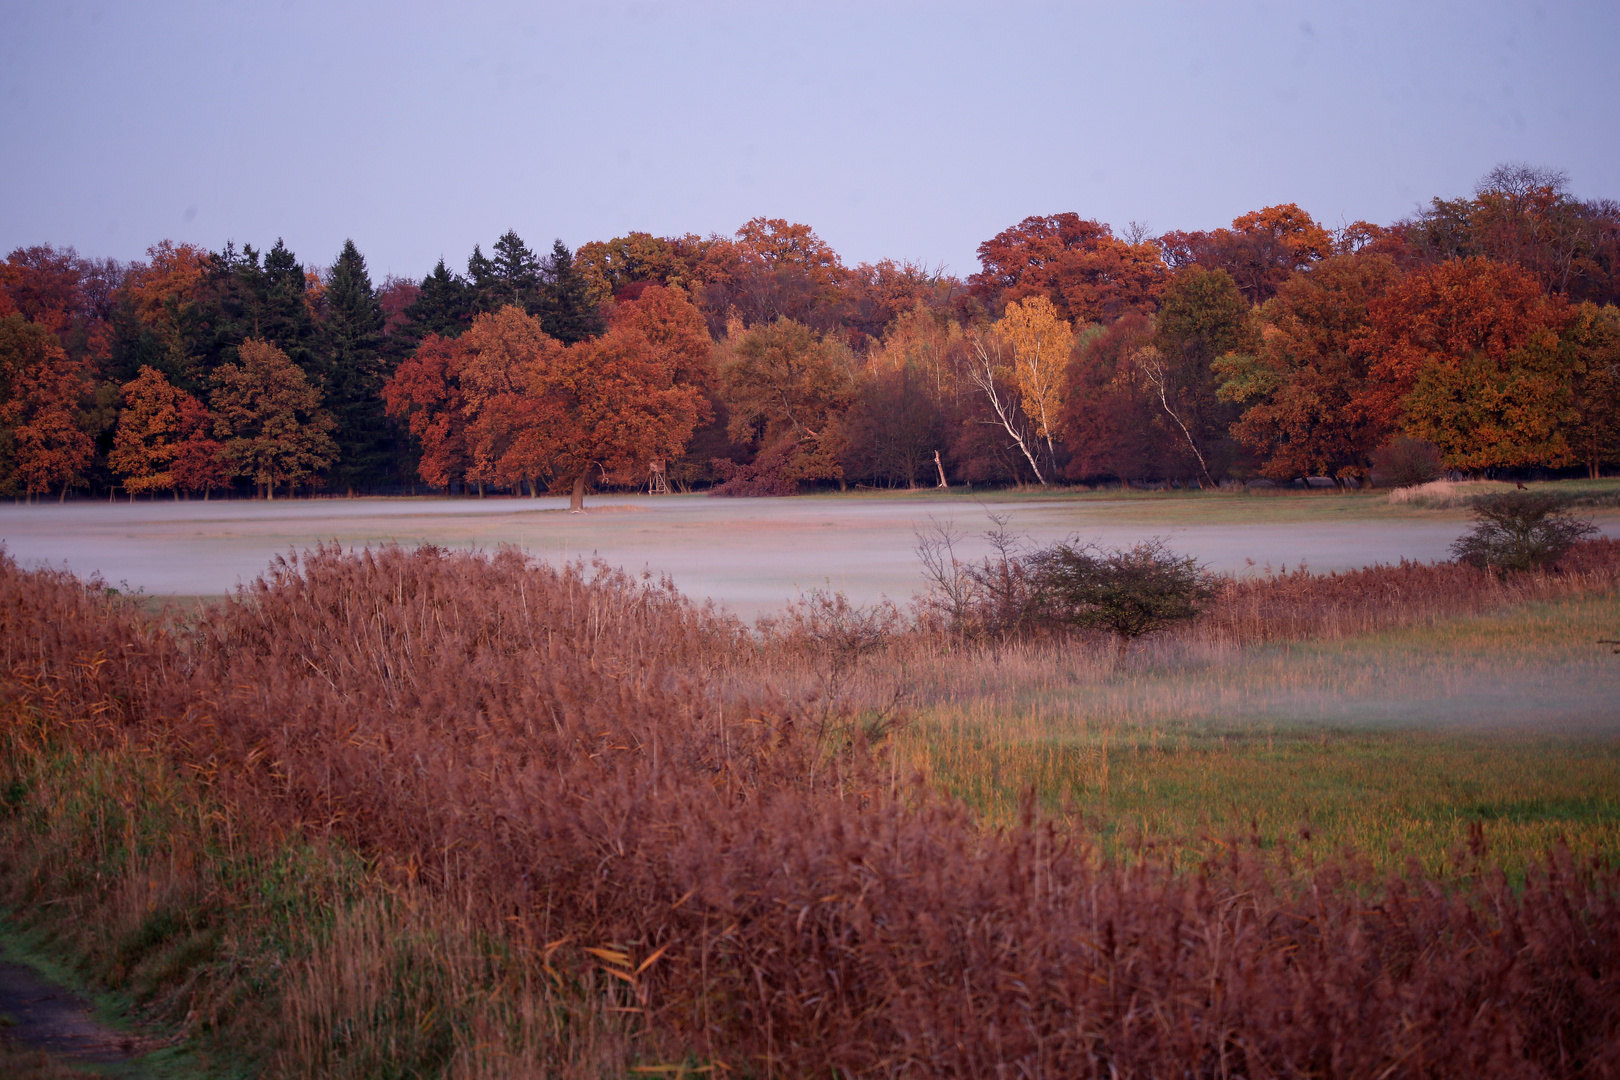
607	786
1300	604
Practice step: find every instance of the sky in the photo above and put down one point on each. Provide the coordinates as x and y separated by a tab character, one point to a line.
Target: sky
912	131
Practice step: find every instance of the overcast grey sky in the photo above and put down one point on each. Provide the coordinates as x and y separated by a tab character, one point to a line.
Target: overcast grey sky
912	131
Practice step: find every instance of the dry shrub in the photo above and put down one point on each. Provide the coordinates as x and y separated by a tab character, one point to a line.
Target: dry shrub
574	764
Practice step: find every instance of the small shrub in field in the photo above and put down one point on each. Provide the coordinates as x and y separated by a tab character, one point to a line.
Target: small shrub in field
1405	461
1520	532
1127	592
991	599
833	637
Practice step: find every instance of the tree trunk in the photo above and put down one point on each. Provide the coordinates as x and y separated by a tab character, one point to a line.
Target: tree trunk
63	497
941	467
534	487
576	500
480	489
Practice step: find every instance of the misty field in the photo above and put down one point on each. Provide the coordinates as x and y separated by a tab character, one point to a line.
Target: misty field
751	555
426	812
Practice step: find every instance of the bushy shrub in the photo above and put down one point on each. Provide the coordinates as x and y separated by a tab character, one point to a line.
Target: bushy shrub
1128	592
1405	461
1515	531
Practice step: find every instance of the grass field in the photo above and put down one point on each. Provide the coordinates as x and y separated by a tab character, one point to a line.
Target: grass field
420	814
754	555
1395	742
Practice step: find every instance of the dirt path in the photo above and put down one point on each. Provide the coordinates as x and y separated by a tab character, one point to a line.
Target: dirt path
46	1017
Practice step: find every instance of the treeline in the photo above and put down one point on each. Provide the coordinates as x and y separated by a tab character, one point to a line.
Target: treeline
759	363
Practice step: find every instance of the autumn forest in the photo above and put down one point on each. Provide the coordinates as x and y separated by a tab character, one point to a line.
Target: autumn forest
1273	350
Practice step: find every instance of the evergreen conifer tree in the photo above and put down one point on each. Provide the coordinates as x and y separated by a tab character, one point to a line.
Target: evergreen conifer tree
353	370
480	277
242	297
512	276
443	307
281	311
566	311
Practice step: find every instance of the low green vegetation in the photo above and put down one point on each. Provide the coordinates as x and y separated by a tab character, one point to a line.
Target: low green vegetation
1396	742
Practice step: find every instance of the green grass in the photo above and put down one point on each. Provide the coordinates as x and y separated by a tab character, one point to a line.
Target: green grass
1395	742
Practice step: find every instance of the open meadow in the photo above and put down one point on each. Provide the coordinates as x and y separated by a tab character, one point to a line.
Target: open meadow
750	555
426	812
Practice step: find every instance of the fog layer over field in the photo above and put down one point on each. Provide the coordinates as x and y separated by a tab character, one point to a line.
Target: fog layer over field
751	555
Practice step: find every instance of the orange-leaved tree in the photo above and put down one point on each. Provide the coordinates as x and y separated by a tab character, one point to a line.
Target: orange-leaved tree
1079	265
270	420
42	442
617	402
425	391
509	404
163	293
1466	355
786	387
148	435
496	360
1304	384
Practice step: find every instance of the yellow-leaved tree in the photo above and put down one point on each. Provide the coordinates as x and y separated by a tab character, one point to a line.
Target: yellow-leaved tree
1041	341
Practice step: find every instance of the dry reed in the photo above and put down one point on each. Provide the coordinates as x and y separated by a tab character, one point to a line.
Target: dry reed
599	776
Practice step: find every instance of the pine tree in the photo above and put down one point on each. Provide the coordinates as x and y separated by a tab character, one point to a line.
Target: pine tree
283	317
480	277
240	298
353	370
566	310
443	307
512	276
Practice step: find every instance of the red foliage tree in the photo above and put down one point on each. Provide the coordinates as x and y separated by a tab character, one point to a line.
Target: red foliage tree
199	459
506	404
1304	386
425	391
1079	265
41	390
67	295
1466	355
1260	251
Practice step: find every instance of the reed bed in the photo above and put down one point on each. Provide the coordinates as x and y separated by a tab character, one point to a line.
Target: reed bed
1445	494
601	829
